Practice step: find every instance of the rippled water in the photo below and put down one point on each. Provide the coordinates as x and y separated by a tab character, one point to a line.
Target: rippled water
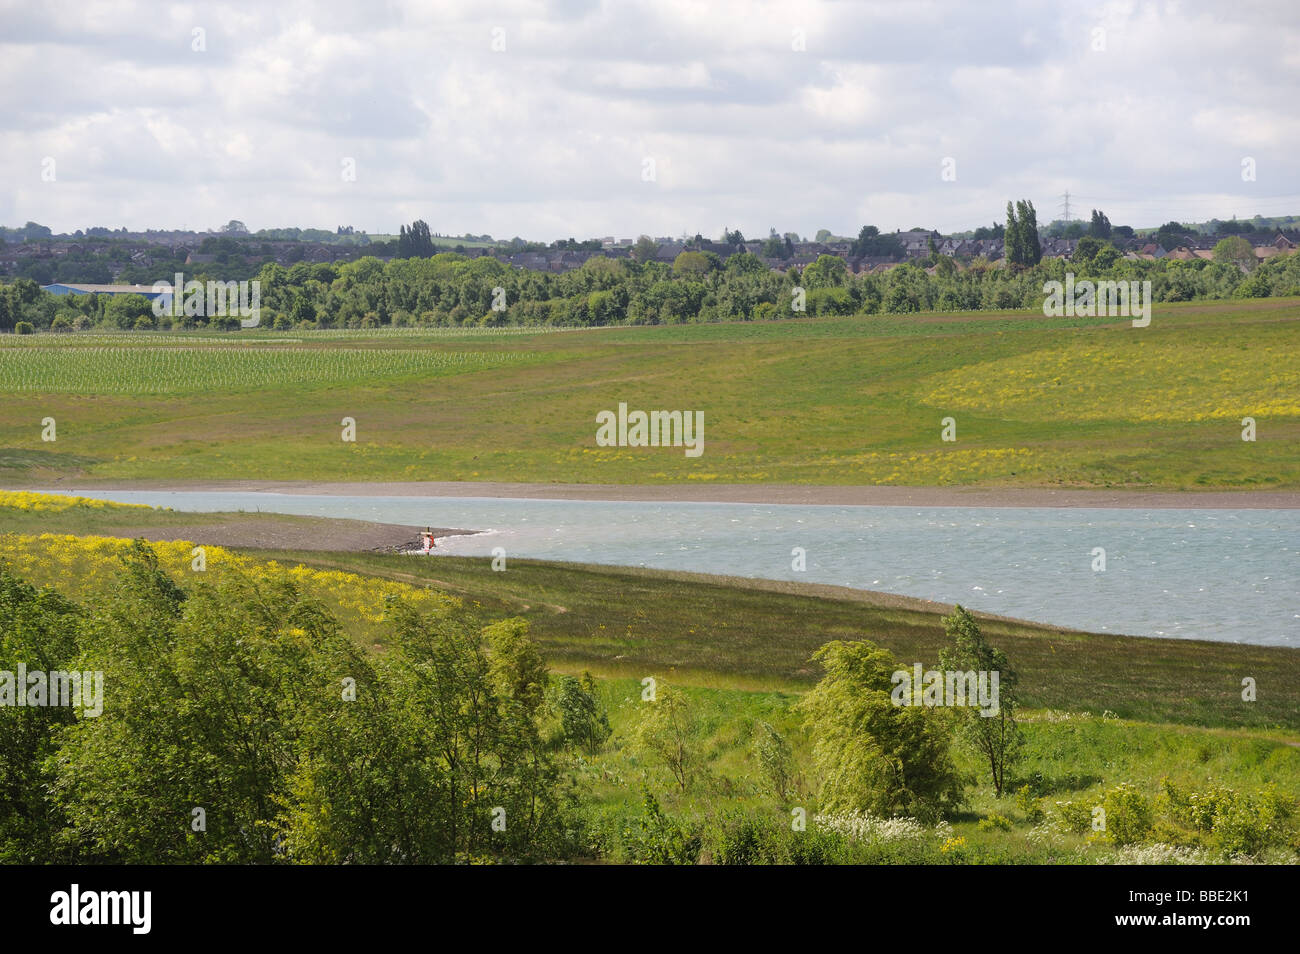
1207	574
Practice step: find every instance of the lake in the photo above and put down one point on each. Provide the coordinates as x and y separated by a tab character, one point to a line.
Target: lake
1229	575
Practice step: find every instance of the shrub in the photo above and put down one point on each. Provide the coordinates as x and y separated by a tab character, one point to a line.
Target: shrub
1236	822
995	821
1030	805
875	756
583	720
1074	816
1128	815
997	738
742	840
24	328
747	839
774	758
666	733
657	839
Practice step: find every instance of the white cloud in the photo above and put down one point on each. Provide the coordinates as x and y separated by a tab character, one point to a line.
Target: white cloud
547	138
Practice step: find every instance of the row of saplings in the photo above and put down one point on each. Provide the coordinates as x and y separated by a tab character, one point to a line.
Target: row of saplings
240	724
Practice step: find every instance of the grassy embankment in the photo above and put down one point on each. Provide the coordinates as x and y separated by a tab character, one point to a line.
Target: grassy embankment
1037	402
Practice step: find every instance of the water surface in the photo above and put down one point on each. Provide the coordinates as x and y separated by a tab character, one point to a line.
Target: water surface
1228	575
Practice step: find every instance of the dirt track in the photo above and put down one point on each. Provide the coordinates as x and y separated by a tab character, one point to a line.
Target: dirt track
277	532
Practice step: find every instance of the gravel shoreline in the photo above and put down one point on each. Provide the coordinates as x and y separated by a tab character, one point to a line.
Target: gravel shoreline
284	532
880	496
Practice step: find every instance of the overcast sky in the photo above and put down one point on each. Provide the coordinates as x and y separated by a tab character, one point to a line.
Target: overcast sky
572	118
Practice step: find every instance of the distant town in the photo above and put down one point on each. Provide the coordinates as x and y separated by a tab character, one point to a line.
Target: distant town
119	257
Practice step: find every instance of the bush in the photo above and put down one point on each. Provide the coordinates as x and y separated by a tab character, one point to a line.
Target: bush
24	328
1074	817
1030	805
666	731
1129	817
743	840
583	720
774	758
657	839
1235	822
995	821
746	839
875	756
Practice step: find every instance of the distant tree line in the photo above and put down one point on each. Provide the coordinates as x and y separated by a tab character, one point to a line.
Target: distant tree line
451	289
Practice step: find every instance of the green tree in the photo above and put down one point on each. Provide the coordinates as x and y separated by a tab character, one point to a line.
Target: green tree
645	249
777	247
123	311
666	731
40	629
829	271
583	720
1099	227
775	758
517	666
1086	250
416	241
1171	235
1235	250
242	725
875	756
1105	258
694	264
871	243
1030	249
997	737
1013	244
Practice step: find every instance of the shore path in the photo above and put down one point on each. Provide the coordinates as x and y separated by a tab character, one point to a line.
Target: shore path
876	496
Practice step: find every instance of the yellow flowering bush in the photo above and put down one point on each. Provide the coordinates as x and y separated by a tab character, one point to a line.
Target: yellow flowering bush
85	566
57	503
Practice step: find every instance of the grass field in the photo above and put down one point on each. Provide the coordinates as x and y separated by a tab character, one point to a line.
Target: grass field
1068	758
1036	401
717	632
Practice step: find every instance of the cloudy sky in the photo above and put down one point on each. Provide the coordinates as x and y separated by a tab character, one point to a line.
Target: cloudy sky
587	118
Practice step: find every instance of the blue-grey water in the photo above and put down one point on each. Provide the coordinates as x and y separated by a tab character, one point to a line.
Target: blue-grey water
1228	575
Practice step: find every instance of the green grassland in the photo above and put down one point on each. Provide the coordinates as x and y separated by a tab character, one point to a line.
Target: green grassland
725	632
1037	402
1068	757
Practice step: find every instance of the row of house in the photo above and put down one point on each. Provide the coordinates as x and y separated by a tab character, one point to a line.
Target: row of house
915	244
1201	247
